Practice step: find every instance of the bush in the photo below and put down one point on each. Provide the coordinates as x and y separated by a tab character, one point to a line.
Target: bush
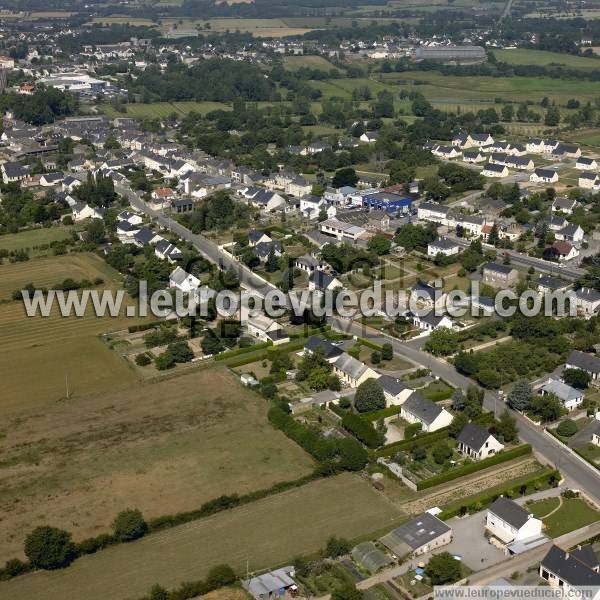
362	430
220	576
411	430
369	396
164	361
142	360
49	548
92	545
567	428
129	525
337	547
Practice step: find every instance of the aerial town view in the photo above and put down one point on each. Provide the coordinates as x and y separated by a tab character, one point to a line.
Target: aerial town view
299	299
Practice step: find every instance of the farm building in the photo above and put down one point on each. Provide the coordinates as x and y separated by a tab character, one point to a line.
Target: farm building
450	53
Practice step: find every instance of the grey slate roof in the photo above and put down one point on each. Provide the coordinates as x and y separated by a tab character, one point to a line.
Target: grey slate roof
510	512
415	534
423	409
570	568
583	361
329	350
350	365
504	269
392	385
561	390
474	436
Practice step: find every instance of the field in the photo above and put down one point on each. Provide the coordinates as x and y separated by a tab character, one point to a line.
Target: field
267	532
60	348
34	237
162	447
293	63
161	110
257	27
452	89
522	56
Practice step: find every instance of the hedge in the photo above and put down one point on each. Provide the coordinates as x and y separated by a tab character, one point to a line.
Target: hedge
440	434
474	467
375	415
485	498
144	326
361	429
369	344
238	351
263	354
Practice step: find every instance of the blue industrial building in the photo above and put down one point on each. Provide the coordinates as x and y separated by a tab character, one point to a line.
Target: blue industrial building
388	201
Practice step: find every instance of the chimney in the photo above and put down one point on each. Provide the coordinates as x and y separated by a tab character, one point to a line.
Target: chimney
567	555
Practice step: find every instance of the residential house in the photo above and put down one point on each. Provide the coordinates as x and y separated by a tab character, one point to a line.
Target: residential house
495	170
369	137
549	146
588	301
126	231
14	171
443	246
82	211
395	390
307	263
564	205
564	151
263	328
595	434
482	140
351	371
264	249
521	163
267	201
435	213
589	181
544	176
165	250
321	281
447	152
432	416
51	179
561	251
509	522
341	231
586	362
570	397
330	351
311	205
473	156
256	236
430	321
570	233
499	276
298	187
477	442
462	140
548	285
184	281
572	570
586	164
378	220
535	146
423	294
145	237
130	217
418	536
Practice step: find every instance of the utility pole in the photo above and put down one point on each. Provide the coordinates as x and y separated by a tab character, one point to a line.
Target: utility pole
67	385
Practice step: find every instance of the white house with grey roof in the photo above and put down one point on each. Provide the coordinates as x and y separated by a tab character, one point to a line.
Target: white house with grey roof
572	570
586	164
588	301
418	536
570	397
351	371
395	390
477	442
184	281
432	416
544	176
443	246
508	522
586	362
330	351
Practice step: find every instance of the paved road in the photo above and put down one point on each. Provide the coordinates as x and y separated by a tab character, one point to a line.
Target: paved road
206	247
567	272
578	474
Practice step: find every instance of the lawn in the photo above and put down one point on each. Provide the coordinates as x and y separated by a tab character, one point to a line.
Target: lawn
542	58
34	238
541	508
162	110
573	514
60	348
162	447
293	63
264	533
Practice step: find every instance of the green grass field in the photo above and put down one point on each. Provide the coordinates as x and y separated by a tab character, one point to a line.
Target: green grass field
293	63
34	237
453	89
58	347
163	447
161	110
525	56
573	514
268	532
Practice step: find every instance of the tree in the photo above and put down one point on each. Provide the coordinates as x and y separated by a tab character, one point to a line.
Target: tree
347	592
379	244
95	232
164	361
158	593
49	548
387	351
457	425
129	525
458	400
352	454
494	237
441	453
577	378
552	118
344	177
442	342
520	396
375	357
220	576
507	427
369	396
548	407
443	569
567	428
272	263
337	547
180	351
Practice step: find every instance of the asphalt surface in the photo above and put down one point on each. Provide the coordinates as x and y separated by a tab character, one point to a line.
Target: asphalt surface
206	247
579	475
